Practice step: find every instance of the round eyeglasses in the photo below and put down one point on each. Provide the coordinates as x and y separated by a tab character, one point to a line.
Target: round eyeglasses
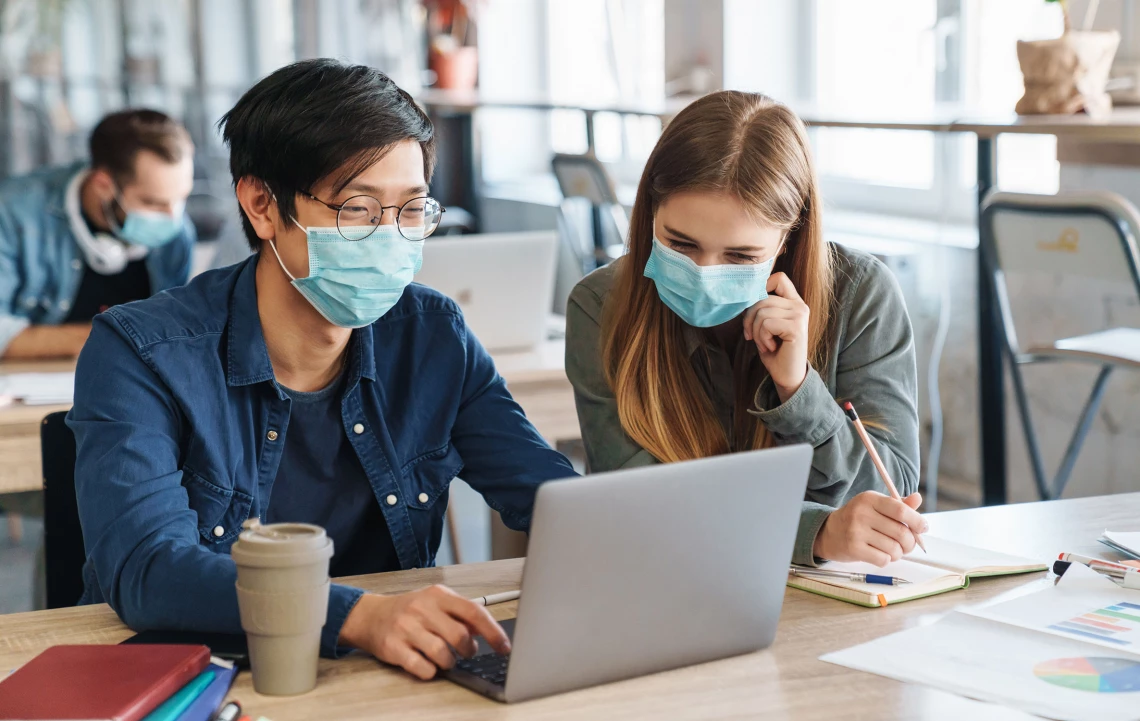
359	216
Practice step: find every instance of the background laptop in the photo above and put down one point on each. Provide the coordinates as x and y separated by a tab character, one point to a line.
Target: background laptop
634	572
504	282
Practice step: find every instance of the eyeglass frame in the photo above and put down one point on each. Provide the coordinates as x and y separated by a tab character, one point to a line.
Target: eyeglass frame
398	208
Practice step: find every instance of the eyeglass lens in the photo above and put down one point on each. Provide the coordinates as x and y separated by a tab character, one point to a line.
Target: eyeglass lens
416	219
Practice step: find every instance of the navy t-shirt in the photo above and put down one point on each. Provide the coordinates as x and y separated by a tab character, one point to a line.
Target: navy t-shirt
320	481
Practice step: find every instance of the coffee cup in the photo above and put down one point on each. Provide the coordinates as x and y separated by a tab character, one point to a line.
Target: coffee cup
283	597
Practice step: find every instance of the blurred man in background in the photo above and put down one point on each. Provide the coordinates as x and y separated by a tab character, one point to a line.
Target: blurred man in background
79	239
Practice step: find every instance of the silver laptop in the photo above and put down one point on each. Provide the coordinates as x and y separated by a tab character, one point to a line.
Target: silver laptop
503	282
633	572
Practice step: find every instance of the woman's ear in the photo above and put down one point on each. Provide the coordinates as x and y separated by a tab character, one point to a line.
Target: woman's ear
259	207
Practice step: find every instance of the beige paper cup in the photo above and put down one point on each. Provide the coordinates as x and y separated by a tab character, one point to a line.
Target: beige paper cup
283	597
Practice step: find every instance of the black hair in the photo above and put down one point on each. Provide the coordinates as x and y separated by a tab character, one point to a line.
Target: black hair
119	137
319	120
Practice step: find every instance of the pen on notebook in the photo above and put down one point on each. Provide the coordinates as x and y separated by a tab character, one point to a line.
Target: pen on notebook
848	575
492	599
849	409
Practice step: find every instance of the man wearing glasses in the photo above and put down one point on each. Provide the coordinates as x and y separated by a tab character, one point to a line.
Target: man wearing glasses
311	382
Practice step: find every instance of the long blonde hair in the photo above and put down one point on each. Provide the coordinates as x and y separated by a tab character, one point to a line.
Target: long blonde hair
755	149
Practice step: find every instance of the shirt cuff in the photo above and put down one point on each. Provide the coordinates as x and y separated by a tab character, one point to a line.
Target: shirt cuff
812	516
342	599
811	415
10	327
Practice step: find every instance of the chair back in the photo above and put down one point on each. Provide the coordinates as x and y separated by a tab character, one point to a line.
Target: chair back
1091	235
583	176
63	538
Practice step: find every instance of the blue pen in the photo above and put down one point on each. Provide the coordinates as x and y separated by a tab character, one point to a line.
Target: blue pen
848	576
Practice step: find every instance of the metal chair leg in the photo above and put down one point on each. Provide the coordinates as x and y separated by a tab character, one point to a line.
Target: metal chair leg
1082	430
453	534
1050	491
15	527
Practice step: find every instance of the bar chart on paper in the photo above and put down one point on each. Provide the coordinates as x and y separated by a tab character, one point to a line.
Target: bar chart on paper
1117	624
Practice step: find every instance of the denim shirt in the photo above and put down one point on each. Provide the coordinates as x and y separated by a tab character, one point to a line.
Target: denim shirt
180	427
41	265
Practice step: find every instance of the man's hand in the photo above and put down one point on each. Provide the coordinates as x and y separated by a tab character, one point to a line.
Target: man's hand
417	631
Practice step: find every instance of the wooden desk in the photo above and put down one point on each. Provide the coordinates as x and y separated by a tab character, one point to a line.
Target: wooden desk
536	379
787	681
20	468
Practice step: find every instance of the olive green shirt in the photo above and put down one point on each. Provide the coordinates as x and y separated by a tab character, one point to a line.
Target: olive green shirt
872	364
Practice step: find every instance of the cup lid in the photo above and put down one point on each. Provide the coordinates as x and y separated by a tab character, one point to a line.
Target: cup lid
281	544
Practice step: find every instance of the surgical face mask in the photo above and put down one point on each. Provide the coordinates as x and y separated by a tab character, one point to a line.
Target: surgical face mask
353	283
147	228
705	296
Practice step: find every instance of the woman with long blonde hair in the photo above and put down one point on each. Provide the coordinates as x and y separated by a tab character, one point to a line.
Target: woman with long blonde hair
731	325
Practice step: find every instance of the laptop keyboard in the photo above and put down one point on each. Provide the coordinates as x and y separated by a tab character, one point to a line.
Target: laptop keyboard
490	667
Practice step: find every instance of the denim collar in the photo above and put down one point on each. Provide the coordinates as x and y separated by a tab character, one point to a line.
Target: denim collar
247	358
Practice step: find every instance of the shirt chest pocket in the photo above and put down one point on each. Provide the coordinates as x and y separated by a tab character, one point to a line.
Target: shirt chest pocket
428	477
221	511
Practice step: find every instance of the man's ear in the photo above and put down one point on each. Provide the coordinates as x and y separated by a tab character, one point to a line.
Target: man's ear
103	183
259	206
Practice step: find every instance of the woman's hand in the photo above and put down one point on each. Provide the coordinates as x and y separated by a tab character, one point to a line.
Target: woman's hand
417	631
872	528
779	327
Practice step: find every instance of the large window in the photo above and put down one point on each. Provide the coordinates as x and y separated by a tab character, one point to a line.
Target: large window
905	59
604	51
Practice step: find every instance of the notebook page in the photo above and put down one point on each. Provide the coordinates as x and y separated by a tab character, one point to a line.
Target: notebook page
966	560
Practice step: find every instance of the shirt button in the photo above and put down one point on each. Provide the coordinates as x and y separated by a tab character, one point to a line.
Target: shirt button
77	264
423	498
30	302
271	435
391	500
219	531
358	428
64	304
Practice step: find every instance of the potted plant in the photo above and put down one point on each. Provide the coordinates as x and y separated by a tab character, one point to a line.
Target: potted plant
452	54
1068	74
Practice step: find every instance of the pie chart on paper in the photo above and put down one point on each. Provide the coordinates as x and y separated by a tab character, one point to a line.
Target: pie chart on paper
1097	674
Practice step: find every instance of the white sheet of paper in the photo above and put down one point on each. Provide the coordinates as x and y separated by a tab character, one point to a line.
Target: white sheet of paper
1125	539
39	388
1083	605
991	661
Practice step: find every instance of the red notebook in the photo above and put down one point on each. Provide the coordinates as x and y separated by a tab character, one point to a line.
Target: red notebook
99	683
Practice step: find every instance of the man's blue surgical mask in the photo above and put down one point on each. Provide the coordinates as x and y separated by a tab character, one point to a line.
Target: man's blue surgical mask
148	228
352	283
705	296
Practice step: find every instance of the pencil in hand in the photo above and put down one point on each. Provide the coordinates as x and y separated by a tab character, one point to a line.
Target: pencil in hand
849	409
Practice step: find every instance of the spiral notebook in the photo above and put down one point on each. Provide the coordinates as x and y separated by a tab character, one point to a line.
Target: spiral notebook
947	567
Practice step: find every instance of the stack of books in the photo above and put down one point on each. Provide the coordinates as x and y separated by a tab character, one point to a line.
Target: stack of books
118	683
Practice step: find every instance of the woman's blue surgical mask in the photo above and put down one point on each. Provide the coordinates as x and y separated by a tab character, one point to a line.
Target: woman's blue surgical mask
352	283
705	296
148	228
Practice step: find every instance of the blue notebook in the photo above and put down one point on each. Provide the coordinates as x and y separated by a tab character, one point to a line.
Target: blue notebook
210	700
